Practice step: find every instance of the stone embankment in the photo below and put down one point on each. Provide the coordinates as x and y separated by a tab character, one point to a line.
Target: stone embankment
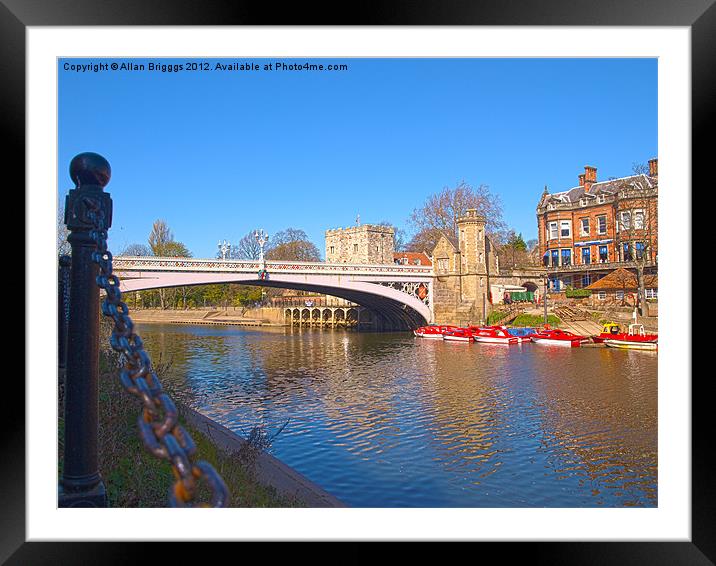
238	317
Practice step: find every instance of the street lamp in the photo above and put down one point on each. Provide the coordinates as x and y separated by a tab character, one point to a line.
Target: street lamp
224	248
261	239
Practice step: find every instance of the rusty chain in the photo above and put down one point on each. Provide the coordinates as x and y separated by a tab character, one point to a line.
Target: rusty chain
158	423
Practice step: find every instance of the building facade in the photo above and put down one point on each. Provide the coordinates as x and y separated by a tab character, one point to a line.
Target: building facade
366	243
589	230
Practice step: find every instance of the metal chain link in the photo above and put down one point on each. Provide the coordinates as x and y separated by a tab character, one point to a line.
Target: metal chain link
158	423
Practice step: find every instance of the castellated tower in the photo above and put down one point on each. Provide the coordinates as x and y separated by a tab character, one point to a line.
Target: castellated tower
367	243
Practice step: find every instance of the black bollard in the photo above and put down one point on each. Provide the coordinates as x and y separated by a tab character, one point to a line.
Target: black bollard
81	484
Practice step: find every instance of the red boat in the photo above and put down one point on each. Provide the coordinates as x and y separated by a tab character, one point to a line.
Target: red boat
635	339
520	339
612	335
458	335
433	331
557	337
493	335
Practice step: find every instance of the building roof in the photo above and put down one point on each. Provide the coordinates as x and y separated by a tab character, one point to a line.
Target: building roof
412	257
623	279
611	186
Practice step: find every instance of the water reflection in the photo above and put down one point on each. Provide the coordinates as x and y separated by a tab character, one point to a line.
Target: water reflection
389	420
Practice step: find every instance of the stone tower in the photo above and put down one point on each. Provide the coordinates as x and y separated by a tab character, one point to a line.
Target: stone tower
367	243
463	267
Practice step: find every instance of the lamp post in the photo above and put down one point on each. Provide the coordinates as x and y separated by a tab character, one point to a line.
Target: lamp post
261	239
224	248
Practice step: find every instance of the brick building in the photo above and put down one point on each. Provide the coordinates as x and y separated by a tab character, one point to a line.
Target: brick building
366	243
589	230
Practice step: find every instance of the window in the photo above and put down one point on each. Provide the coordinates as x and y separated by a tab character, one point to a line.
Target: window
650	293
566	256
601	199
481	260
585	226
479	234
565	228
626	252
404	261
552	230
550	206
415	262
555	258
443	264
355	247
601	295
586	255
601	224
639	249
333	249
625	220
639	219
586	280
603	254
582	202
620	295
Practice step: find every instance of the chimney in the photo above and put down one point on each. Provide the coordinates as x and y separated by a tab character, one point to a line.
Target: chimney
654	167
581	180
590	176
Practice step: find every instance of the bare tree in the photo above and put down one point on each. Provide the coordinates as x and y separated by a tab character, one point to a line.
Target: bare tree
640	168
159	237
247	248
439	214
137	250
162	243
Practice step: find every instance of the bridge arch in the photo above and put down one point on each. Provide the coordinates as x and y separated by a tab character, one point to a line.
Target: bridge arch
395	309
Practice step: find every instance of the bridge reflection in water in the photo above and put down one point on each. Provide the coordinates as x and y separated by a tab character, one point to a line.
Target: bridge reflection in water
389	420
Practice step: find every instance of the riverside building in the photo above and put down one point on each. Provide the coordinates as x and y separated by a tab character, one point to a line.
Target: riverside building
587	231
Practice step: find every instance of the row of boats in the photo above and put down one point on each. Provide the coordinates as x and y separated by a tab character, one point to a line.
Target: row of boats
611	336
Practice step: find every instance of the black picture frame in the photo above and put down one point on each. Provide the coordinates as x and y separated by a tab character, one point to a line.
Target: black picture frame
699	15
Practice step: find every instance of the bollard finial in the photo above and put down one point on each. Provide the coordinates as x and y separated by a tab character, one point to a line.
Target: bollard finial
90	169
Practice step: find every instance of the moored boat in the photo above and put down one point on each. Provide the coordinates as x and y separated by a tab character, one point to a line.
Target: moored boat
458	335
635	339
493	335
557	337
433	331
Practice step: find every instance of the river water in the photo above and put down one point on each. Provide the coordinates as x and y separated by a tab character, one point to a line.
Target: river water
390	420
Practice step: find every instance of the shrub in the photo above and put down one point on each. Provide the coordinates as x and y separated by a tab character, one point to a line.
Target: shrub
578	293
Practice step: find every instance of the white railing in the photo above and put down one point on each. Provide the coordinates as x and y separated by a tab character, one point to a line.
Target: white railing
146	263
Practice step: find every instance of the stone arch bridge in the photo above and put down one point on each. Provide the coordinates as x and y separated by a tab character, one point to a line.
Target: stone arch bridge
399	295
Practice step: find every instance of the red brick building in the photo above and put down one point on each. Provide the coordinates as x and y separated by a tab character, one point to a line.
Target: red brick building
589	230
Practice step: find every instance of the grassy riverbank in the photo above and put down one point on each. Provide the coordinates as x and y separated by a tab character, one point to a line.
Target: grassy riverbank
135	478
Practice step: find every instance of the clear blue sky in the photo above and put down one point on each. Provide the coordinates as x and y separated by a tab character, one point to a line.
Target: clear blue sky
219	153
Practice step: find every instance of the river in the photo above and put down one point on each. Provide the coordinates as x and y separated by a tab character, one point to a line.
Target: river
390	420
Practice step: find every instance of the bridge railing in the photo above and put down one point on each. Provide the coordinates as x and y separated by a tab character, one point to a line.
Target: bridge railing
88	216
152	263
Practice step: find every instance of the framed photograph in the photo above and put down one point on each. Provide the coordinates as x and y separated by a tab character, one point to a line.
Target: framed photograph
248	123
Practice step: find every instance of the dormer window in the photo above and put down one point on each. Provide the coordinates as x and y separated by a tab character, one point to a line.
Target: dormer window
550	206
582	202
601	199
